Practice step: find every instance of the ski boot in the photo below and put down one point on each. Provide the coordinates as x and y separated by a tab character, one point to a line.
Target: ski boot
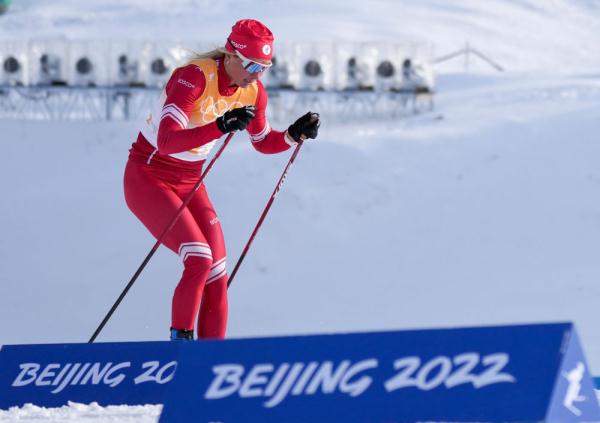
182	335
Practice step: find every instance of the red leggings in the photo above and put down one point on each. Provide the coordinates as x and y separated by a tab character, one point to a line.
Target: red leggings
154	195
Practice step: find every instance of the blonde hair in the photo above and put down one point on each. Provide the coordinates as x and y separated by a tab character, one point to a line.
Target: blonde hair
217	53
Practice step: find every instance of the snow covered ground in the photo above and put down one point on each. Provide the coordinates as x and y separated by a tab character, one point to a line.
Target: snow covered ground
83	413
389	225
486	211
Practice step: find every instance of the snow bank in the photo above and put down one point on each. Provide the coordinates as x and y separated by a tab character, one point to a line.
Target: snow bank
75	412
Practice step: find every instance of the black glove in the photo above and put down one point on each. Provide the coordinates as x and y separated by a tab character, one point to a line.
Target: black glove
236	119
305	127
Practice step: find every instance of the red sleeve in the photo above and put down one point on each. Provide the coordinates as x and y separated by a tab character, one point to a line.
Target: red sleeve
263	137
185	86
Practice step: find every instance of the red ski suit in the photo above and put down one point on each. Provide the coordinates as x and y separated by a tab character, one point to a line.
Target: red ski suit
165	163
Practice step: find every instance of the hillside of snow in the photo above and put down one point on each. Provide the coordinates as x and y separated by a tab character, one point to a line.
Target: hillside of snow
389	225
553	35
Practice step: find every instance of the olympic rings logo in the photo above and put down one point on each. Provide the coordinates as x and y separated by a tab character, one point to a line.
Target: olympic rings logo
210	109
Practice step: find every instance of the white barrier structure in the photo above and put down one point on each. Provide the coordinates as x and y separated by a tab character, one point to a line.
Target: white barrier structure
60	79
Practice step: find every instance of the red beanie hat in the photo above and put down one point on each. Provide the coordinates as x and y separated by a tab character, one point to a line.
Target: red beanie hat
252	39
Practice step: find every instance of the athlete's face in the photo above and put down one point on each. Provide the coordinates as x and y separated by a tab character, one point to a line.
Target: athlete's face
237	73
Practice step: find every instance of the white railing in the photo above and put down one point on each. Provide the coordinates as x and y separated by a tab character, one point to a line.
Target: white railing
467	52
133	103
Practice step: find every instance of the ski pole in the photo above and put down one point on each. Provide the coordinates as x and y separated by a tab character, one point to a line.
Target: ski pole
264	213
186	201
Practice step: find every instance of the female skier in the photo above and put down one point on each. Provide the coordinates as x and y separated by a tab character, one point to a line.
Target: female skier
216	93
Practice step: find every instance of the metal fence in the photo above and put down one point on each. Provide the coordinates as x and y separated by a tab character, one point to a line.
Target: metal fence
133	103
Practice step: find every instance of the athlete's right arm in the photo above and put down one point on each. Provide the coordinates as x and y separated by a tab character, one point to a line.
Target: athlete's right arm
185	86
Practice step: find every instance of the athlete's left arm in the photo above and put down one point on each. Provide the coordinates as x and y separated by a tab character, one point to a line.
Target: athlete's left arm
263	137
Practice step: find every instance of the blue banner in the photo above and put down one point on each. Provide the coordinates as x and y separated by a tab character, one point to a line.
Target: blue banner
574	391
477	374
107	373
522	373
